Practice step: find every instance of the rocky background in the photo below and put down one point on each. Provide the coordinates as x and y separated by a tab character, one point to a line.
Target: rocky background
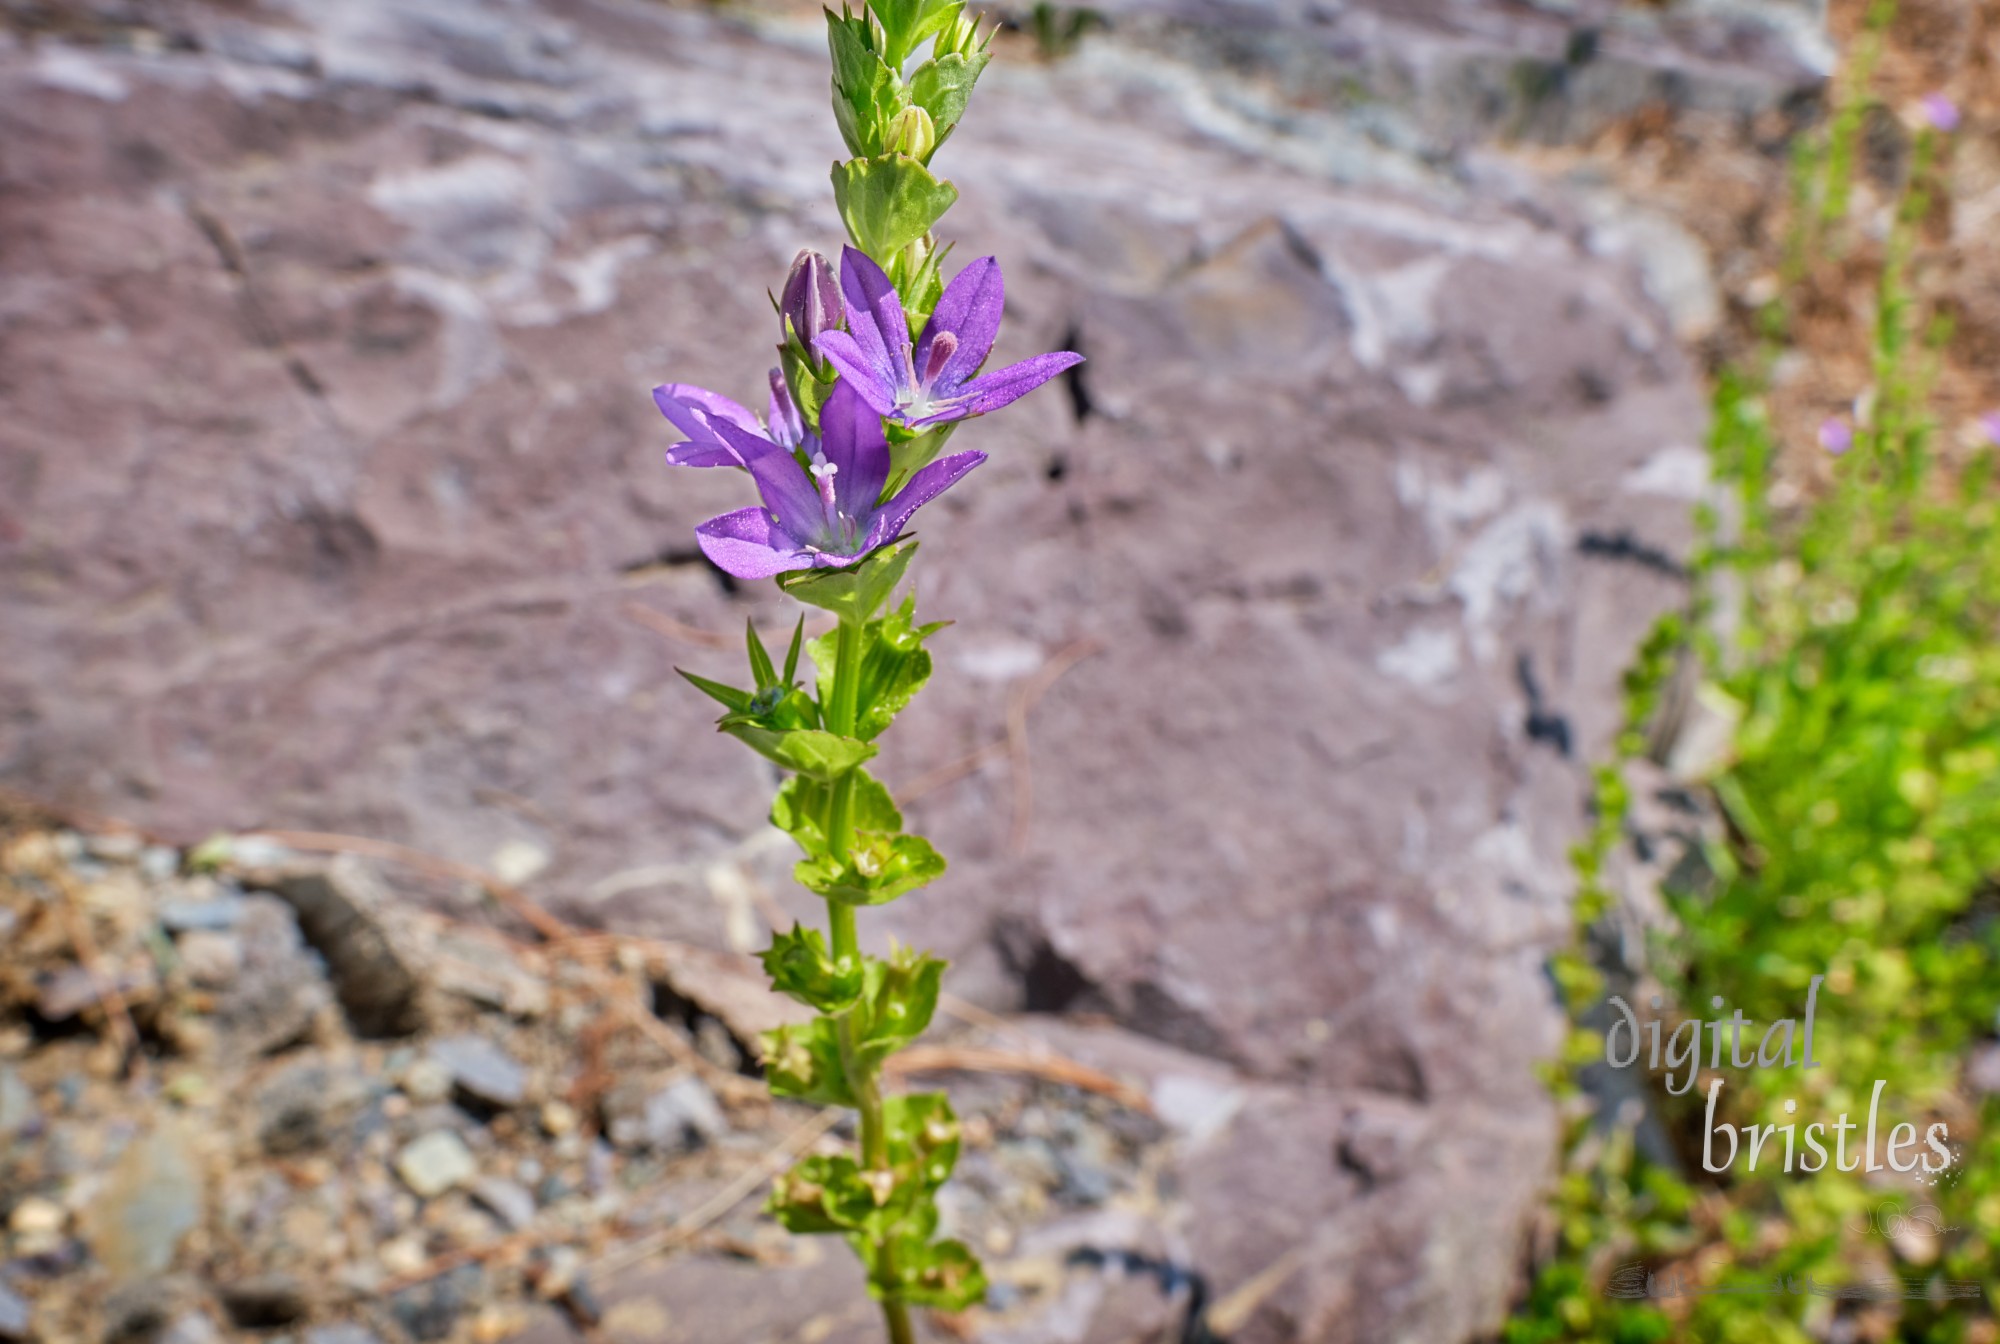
331	501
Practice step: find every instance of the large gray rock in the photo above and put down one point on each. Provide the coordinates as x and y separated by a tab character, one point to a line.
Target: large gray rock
330	479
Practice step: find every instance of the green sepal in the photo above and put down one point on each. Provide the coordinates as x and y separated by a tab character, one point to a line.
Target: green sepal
731	699
809	751
858	591
800	965
792	653
800	810
761	666
923	1136
897	1003
894	667
943	1275
879	868
803	1061
888	202
942	87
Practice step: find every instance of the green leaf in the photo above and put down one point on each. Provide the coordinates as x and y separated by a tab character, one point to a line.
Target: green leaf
906	23
866	92
940	1274
735	701
830	1193
897	1005
792	654
800	965
809	751
942	87
803	1061
858	591
894	666
879	868
800	810
889	202
760	660
923	1137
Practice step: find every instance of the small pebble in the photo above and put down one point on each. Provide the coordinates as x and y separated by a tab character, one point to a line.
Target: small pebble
435	1163
16	1316
482	1069
512	1204
426	1082
558	1118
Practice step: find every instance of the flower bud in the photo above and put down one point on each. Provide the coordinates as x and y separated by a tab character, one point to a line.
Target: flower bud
811	303
910	132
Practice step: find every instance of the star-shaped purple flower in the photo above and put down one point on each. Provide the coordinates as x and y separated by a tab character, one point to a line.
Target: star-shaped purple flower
721	433
828	514
939	380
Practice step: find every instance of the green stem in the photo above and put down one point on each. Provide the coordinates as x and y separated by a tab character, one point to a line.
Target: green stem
842	713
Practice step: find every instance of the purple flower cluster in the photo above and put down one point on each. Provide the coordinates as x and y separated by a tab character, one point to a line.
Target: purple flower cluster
822	489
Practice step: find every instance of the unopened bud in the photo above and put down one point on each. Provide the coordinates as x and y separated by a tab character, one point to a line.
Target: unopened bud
811	303
910	132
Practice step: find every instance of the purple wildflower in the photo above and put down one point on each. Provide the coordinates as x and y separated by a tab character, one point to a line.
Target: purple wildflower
828	514
1836	435
935	382
721	433
1990	422
1941	112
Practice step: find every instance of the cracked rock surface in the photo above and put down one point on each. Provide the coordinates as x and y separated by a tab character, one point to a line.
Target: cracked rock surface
331	488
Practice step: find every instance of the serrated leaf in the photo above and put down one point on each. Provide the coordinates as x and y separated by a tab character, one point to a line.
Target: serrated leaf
879	868
943	86
857	592
888	202
800	810
809	751
800	965
803	1061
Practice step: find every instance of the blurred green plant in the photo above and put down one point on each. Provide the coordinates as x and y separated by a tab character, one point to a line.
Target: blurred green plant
1861	803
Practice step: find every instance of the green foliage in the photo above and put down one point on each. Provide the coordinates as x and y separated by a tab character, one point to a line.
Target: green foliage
890	201
801	806
804	1061
898	1003
894	666
800	965
1863	801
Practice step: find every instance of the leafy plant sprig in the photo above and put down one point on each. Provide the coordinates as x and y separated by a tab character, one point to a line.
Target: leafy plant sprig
879	362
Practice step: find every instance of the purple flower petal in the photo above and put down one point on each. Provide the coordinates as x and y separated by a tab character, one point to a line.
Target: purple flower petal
749	545
1836	435
994	390
851	361
875	317
789	493
925	486
743	447
850	433
969	309
696	412
1990	422
1941	112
